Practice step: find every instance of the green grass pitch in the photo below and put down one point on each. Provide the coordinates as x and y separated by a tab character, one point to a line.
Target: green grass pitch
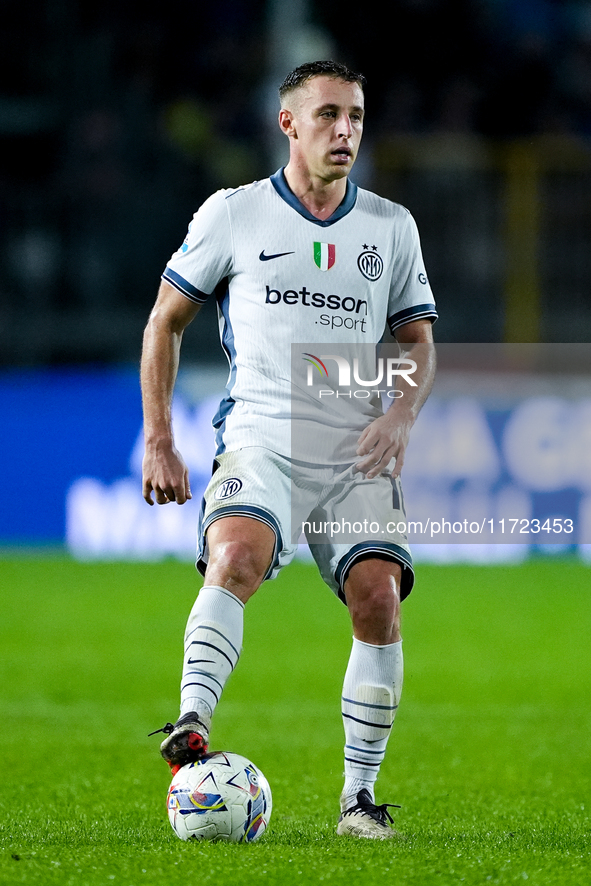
489	757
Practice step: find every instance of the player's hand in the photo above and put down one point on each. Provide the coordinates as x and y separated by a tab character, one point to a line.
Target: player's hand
382	440
166	475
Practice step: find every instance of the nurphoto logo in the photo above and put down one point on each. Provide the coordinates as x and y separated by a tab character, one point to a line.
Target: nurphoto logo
388	370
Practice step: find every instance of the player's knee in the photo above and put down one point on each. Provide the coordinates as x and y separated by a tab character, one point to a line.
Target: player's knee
236	566
375	580
382	598
376	617
373	599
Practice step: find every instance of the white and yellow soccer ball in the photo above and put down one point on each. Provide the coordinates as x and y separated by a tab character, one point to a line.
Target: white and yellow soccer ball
223	796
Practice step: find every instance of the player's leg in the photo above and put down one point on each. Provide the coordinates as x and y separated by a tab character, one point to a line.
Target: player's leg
241	550
240	554
242	541
371	691
373	680
371	574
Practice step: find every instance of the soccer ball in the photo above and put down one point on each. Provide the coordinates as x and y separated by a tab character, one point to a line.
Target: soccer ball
222	796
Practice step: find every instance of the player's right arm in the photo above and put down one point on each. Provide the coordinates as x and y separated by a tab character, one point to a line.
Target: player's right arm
164	471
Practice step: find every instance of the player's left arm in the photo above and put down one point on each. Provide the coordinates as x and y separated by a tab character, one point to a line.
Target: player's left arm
387	437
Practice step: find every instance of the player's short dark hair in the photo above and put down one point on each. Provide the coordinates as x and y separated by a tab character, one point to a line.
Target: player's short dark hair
305	72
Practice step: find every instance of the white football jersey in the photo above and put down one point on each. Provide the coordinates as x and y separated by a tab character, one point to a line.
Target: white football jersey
282	276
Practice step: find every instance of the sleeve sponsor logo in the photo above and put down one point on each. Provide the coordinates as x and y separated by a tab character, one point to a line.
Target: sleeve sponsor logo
185	245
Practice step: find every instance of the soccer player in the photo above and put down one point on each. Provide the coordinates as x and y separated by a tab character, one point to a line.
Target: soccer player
303	256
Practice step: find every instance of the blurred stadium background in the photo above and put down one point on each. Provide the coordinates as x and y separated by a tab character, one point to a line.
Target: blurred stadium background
117	121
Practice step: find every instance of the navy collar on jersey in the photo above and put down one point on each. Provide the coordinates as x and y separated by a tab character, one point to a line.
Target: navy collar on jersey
280	184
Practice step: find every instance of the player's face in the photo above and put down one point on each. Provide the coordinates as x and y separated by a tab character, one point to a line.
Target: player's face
328	123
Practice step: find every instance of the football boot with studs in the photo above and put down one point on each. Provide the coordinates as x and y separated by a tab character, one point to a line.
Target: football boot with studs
186	741
366	819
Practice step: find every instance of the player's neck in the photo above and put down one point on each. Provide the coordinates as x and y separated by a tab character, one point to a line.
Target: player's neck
320	197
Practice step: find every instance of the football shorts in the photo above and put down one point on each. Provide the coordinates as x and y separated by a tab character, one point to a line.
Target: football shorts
343	516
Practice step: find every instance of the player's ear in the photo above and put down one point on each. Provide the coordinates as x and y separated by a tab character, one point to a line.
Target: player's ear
287	123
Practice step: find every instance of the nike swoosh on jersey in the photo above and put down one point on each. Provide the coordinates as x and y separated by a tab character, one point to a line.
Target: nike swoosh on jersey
264	257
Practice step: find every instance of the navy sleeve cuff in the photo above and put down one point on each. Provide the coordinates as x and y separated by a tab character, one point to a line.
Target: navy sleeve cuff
416	312
184	286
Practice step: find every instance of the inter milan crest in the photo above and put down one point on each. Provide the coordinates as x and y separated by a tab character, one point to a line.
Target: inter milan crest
228	489
324	255
370	263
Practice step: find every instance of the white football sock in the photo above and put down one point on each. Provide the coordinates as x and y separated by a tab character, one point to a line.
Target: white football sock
371	694
213	642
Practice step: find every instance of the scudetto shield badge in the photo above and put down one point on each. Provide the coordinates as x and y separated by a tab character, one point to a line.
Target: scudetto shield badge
324	255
